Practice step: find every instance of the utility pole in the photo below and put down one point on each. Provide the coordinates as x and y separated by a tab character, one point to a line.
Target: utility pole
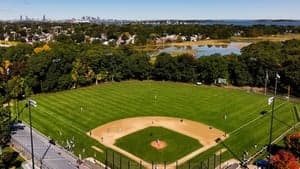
272	116
31	103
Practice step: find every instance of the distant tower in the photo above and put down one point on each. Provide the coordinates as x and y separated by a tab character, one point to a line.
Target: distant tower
44	18
21	17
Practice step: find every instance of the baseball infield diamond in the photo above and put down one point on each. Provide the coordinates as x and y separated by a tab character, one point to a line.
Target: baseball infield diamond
158	144
69	115
113	133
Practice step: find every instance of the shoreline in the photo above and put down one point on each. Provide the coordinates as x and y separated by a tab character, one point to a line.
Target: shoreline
216	42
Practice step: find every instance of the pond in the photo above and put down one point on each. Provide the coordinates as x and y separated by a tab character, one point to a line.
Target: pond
206	50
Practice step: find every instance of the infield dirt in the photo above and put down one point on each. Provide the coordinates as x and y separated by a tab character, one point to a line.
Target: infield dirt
108	133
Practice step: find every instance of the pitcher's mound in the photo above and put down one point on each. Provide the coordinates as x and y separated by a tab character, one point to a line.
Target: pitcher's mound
158	144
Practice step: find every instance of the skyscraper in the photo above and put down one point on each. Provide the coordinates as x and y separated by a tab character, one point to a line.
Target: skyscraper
44	18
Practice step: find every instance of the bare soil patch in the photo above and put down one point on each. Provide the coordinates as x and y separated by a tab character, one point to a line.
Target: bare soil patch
158	144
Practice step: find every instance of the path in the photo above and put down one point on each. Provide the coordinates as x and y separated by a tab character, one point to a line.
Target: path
46	155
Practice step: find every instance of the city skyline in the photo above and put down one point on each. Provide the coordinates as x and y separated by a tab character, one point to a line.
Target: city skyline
155	9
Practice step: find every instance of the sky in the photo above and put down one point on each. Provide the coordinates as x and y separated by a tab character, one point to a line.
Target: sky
151	9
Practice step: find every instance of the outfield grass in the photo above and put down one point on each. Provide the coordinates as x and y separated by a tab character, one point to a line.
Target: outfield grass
138	143
59	114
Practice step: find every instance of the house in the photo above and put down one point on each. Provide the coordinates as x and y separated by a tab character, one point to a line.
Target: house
131	40
106	43
183	38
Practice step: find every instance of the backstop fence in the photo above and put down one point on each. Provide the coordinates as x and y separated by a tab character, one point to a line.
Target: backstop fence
114	160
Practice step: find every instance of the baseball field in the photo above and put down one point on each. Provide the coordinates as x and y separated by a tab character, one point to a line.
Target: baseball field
240	118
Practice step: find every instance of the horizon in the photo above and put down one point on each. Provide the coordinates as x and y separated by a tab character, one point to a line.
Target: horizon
154	10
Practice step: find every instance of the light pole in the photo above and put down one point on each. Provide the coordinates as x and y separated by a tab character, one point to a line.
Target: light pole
272	116
33	103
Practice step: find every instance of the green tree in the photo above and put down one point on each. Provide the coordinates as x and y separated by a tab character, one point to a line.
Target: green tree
164	67
5	117
212	67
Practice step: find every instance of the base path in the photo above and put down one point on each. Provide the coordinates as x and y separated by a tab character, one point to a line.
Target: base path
107	134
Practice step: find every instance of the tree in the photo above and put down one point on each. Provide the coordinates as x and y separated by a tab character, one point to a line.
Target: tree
238	72
164	67
78	37
139	66
212	67
16	89
185	66
260	57
63	38
4	109
101	76
4	124
82	74
21	52
284	160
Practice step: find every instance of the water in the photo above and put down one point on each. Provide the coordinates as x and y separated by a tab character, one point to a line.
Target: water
207	50
251	22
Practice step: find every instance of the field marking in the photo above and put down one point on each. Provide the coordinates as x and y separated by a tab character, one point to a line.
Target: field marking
97	149
260	116
221	151
108	133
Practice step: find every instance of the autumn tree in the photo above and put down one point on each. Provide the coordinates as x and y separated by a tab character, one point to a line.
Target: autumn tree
284	160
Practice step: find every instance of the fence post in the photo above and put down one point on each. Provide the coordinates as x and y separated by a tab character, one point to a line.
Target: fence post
106	159
189	164
120	161
220	160
113	160
165	165
208	163
152	164
140	164
201	164
176	164
128	164
214	161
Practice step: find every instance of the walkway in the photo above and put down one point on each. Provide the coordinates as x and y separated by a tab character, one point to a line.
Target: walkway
46	155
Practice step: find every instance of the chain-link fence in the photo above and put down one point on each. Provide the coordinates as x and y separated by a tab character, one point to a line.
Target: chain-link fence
114	160
212	162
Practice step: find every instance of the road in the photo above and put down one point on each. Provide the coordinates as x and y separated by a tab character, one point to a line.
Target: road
46	155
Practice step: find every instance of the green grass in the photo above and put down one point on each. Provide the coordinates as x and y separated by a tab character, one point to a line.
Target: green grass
60	112
138	143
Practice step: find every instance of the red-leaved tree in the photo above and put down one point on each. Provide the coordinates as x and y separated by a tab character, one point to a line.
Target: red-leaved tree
284	160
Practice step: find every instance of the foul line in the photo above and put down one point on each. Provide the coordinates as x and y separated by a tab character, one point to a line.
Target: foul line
242	126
